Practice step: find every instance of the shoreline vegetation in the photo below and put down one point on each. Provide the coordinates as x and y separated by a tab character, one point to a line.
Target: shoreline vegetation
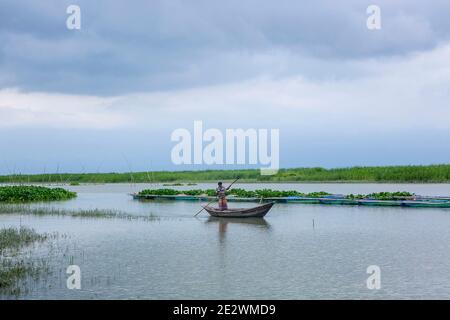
386	174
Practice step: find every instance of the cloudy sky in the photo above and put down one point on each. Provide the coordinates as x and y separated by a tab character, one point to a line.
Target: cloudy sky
107	97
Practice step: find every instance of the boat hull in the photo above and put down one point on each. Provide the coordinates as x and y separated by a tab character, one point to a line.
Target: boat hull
255	212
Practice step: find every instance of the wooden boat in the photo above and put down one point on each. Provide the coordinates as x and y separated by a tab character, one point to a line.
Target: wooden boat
255	212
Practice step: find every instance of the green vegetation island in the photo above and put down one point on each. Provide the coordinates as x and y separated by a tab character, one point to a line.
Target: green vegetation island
20	194
269	193
387	174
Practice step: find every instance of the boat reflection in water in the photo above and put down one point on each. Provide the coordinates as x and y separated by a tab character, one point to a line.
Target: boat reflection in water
250	222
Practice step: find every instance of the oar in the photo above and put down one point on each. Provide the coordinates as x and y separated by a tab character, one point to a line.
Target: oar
203	207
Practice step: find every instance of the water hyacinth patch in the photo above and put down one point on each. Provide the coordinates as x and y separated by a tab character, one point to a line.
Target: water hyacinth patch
269	193
18	194
236	192
399	195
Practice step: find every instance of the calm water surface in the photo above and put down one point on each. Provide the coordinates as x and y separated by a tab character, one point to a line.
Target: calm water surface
175	256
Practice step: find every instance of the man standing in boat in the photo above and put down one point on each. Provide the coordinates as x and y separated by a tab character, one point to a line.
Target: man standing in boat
221	193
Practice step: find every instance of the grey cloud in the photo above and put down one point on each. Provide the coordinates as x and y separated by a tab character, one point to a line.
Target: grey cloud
165	45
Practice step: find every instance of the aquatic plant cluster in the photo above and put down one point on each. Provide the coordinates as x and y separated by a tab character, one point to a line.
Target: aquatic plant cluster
269	193
19	194
401	195
237	192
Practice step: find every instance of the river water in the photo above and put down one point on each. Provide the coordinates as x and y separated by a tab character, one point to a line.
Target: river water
297	251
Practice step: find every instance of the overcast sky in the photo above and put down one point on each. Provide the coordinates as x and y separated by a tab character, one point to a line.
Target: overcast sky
107	97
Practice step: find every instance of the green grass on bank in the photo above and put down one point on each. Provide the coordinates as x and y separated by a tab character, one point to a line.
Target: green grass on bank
419	174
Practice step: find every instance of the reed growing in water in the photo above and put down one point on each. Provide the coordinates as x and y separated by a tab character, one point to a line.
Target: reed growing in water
13	268
16	238
6	209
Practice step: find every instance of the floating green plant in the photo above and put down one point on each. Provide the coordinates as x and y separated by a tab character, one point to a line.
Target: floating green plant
399	195
237	192
18	194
